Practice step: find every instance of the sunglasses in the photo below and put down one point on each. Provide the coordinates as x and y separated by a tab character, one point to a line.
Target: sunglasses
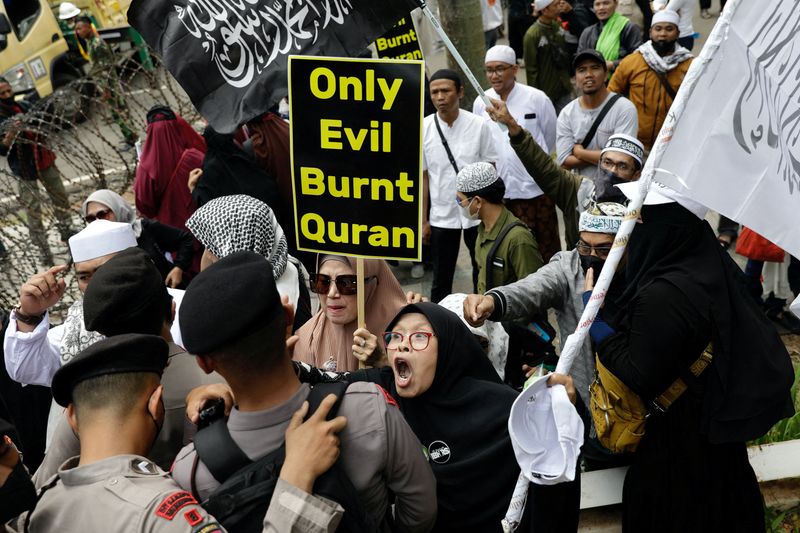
346	284
102	215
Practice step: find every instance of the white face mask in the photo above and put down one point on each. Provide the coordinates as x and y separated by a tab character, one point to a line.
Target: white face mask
466	212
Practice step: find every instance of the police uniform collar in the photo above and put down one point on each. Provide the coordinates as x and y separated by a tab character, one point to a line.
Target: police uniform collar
174	350
274	416
119	465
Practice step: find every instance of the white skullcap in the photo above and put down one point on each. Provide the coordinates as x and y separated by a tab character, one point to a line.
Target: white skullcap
101	237
475	176
661	194
665	15
625	144
502	53
546	433
538	5
605	217
493	332
67	10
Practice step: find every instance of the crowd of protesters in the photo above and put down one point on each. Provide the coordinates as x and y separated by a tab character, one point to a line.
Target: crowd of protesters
211	377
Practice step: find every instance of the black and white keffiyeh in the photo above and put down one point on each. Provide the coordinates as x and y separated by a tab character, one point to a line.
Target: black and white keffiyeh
660	64
76	337
239	222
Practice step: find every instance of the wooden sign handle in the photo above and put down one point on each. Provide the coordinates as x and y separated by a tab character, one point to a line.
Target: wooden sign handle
360	296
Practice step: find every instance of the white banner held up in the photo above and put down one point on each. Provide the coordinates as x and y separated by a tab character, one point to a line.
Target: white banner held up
735	148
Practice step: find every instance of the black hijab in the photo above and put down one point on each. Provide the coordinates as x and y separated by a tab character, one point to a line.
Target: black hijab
749	380
466	409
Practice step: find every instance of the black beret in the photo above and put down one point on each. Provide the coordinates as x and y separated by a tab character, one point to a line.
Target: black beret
227	301
126	295
122	354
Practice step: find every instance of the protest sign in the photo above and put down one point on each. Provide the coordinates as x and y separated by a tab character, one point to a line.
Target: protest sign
400	42
230	57
735	147
356	135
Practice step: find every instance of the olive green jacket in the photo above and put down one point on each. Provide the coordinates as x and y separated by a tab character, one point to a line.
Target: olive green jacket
516	256
559	184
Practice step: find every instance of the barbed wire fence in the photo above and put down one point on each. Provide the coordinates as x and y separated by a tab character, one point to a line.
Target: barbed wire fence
80	124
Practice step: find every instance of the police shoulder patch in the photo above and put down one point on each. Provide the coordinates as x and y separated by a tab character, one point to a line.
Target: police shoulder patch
193	517
389	398
173	503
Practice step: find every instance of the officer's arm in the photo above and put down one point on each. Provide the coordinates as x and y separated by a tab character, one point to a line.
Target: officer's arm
293	509
177	512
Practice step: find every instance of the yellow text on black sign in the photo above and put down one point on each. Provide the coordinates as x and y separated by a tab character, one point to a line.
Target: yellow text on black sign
356	137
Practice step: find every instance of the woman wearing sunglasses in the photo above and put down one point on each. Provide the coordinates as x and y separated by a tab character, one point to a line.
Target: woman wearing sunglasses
153	237
331	340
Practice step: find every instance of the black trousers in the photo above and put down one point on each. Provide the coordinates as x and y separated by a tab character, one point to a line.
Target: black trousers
647	14
516	32
444	249
706	4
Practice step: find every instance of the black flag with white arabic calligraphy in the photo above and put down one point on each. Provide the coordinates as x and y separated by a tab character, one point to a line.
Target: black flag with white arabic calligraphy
231	56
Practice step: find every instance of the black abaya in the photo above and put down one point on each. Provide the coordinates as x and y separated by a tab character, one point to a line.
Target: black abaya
691	471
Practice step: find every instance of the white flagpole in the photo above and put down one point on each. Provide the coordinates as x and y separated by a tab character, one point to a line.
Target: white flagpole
575	340
454	52
698	66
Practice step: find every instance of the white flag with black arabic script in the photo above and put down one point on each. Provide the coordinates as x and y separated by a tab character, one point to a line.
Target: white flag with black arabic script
735	146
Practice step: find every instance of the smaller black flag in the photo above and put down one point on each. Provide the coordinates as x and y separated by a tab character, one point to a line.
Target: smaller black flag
230	56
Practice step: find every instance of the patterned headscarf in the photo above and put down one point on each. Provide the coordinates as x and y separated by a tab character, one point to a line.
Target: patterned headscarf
239	222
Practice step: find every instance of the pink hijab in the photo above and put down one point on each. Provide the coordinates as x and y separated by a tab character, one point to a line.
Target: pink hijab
323	343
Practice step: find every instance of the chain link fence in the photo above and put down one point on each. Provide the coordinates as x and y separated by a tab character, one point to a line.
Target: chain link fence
83	124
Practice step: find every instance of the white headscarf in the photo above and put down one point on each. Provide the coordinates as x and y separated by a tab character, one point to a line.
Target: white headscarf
122	210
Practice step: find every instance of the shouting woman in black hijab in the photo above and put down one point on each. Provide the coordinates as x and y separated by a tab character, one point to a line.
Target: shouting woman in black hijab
691	470
457	406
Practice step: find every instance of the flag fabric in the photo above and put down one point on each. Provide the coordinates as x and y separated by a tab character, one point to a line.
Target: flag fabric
734	147
230	56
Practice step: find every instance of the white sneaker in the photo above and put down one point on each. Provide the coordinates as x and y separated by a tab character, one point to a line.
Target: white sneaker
417	271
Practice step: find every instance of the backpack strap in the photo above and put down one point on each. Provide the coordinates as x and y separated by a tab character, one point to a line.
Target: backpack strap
444	142
667	87
218	451
52	483
493	250
679	386
223	457
320	391
596	124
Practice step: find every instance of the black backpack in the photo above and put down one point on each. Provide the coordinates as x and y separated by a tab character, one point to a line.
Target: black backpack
240	502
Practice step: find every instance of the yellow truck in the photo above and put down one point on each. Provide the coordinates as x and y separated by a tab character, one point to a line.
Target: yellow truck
33	52
33	49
